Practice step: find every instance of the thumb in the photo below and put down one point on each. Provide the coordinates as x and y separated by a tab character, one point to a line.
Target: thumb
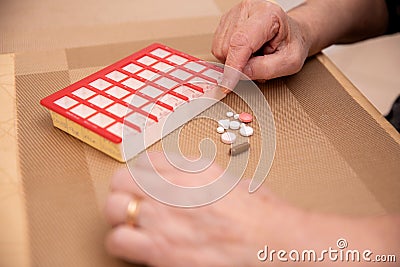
271	66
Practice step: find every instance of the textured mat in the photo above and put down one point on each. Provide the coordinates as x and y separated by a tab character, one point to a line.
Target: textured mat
331	154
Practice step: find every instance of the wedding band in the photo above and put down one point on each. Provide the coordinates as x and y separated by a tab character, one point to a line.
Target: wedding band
132	212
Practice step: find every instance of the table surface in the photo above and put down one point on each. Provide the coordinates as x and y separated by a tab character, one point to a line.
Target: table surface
14	236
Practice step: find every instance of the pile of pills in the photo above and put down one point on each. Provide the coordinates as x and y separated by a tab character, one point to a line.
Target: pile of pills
235	122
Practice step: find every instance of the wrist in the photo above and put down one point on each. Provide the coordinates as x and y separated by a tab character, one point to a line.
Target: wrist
305	31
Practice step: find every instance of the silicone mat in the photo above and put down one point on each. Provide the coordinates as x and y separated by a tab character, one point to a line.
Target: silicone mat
330	152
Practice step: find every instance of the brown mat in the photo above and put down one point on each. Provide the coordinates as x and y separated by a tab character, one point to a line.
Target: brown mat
330	152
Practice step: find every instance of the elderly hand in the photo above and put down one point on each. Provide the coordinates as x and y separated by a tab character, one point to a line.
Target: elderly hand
259	39
229	232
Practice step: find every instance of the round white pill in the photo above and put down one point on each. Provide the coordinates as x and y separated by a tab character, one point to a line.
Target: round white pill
220	130
228	138
242	125
224	123
229	114
246	131
236	116
234	125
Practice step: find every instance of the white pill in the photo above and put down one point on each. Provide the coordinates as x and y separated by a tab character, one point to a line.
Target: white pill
234	125
236	116
224	123
220	130
228	138
246	131
242	125
229	114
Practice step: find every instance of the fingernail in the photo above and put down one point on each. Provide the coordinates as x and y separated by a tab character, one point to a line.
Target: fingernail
248	71
227	83
224	82
230	78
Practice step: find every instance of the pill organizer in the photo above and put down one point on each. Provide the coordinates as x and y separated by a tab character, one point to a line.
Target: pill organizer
139	91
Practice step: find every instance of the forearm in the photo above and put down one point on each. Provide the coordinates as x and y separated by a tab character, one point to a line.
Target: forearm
327	22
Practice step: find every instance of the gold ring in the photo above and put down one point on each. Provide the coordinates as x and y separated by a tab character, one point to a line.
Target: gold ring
132	212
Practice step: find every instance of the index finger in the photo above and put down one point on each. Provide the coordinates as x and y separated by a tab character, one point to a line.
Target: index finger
246	40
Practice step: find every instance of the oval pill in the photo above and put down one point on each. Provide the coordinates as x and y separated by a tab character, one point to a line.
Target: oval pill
236	116
235	150
229	114
228	138
234	125
245	117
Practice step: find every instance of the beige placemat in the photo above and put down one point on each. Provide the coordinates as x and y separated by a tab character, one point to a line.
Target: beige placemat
330	152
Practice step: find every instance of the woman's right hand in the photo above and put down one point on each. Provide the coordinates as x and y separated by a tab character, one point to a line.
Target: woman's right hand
258	38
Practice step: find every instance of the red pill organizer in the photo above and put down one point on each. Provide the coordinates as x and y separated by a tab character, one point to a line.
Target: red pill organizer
147	85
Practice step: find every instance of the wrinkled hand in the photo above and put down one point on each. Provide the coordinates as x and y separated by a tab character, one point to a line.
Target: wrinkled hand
259	39
226	233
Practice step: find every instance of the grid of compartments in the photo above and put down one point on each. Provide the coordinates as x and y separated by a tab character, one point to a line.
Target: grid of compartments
148	84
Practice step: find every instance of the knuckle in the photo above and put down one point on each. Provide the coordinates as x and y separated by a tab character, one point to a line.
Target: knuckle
274	11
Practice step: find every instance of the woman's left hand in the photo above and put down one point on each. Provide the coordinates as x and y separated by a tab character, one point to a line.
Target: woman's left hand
229	232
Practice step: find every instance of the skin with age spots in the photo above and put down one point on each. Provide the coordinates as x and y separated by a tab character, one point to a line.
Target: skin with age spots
258	38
